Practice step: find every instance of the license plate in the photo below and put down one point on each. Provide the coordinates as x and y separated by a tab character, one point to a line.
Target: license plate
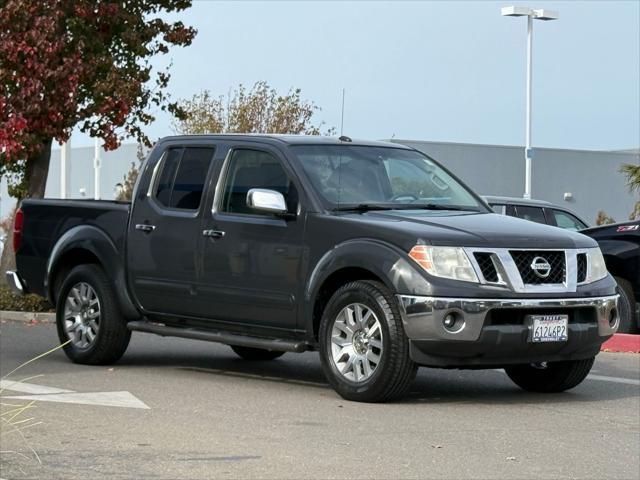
549	328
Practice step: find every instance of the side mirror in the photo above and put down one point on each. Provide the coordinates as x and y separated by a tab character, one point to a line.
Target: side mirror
266	201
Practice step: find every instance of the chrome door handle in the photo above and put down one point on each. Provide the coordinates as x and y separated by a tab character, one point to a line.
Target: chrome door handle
213	234
143	227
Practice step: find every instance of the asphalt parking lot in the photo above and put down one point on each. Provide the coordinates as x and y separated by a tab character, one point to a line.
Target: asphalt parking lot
188	409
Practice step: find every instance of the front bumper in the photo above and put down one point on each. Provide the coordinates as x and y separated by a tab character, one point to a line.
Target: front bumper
494	332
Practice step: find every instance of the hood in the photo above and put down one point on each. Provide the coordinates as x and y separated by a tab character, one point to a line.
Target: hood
466	229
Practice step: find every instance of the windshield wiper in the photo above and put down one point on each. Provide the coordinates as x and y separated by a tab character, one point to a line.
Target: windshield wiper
363	207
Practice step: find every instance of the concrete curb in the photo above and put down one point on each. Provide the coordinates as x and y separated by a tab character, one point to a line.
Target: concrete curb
27	317
622	342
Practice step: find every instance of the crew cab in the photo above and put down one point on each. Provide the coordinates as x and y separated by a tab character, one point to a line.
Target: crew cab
371	253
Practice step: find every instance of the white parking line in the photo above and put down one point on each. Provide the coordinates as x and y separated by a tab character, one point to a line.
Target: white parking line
627	381
30	388
104	399
43	393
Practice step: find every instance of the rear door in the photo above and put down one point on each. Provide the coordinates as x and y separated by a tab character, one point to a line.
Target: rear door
164	232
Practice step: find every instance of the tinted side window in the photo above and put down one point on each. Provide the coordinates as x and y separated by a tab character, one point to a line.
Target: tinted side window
567	221
534	214
167	176
255	169
189	181
181	181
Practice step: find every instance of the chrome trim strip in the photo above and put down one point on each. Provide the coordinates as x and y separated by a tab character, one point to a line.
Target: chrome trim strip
154	174
512	302
422	316
217	195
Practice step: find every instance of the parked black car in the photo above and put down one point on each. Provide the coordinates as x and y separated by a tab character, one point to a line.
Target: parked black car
371	253
620	245
538	211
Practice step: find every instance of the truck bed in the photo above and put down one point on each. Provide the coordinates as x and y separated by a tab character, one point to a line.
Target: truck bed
47	220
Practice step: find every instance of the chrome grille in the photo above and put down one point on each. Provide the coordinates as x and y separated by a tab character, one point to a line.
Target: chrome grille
582	267
524	260
487	267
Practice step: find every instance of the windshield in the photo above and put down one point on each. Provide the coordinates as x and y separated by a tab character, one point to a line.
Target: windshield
381	177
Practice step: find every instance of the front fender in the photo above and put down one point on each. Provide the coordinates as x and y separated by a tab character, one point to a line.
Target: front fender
98	243
387	262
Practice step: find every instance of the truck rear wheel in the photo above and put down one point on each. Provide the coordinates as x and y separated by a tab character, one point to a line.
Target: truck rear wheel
550	377
88	317
363	347
256	354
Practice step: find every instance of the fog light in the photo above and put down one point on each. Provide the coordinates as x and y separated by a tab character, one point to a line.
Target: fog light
449	321
453	322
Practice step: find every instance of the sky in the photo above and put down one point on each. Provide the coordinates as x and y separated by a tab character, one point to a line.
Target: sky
448	71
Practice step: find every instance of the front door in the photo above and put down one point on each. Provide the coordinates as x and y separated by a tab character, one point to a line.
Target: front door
252	259
165	235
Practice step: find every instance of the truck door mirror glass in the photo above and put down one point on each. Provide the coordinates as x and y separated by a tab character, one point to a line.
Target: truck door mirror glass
266	200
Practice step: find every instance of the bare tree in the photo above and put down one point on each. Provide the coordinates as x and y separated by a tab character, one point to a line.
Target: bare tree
257	110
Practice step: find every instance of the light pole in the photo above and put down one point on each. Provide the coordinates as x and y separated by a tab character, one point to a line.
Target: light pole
531	15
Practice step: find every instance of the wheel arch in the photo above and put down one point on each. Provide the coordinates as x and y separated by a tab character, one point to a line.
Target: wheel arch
87	244
357	260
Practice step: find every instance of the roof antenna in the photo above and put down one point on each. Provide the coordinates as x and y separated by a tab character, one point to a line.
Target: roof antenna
342	115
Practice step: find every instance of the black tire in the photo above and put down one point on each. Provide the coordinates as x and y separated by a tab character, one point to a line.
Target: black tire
555	377
626	307
256	354
395	371
113	336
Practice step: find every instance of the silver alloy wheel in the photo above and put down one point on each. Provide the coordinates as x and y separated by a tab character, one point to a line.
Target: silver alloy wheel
356	342
82	315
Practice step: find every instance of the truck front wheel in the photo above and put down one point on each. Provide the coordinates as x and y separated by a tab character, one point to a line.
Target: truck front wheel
550	377
363	347
88	318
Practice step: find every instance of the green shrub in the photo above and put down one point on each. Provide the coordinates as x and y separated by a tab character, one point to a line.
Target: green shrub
23	303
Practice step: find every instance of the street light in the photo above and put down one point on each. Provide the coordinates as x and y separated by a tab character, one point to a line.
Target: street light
531	15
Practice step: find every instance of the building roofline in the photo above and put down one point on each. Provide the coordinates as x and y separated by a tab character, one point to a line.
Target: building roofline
632	151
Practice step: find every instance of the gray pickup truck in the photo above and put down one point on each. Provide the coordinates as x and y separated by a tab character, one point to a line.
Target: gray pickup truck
371	253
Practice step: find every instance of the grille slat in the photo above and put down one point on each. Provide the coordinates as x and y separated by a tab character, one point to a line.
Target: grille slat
487	267
525	258
582	267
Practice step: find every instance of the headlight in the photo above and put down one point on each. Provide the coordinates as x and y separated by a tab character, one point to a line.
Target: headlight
596	268
445	262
